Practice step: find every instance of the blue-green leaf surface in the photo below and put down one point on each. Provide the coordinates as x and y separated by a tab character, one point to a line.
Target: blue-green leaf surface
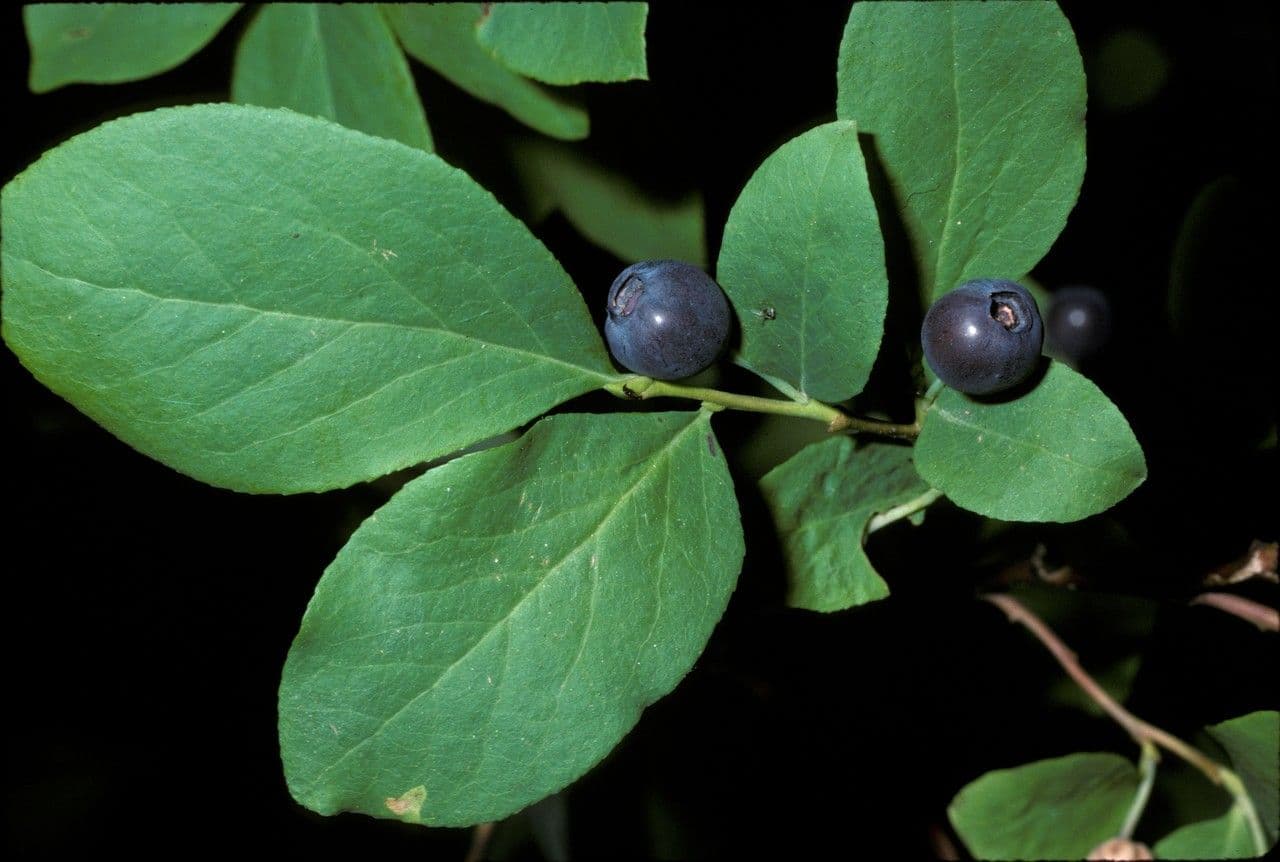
1225	837
1060	452
1253	743
493	631
443	37
803	264
274	303
977	111
107	43
821	500
1051	809
567	43
340	62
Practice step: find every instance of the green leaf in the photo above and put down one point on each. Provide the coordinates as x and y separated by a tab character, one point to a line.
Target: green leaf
1051	809
803	240
977	112
1225	837
443	37
609	209
1060	452
493	631
1253	743
107	43
274	303
567	43
822	500
340	62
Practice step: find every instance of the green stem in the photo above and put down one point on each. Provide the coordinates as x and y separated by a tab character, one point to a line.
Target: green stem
835	420
1147	767
906	510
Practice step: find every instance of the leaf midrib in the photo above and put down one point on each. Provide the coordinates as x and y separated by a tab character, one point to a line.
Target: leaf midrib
290	315
955	419
659	458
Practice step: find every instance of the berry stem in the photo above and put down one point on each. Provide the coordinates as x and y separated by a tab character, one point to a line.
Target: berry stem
1142	733
642	388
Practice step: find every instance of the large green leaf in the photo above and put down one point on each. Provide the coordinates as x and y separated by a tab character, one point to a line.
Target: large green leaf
106	43
567	43
1253	743
803	263
1060	452
1051	809
496	628
340	62
609	209
822	499
977	111
272	302
443	37
1225	837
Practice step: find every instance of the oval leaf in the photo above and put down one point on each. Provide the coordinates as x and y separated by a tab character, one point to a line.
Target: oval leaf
803	263
340	62
567	43
1051	809
1061	452
822	500
977	112
443	37
607	208
106	43
1225	837
1253	743
494	630
271	302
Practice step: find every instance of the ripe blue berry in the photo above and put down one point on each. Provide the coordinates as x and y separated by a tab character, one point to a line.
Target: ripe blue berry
667	319
1078	324
984	336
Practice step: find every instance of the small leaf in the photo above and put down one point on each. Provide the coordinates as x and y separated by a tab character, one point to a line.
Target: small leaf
608	209
443	37
274	303
340	62
977	112
1253	743
567	43
803	241
1225	837
1051	809
107	43
1060	452
494	630
822	499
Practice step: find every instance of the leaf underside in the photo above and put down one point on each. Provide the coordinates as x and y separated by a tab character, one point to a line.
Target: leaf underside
340	62
1060	452
567	43
495	629
273	303
977	113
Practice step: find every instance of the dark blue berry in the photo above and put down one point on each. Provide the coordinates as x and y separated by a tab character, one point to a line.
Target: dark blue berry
984	336
1078	325
667	319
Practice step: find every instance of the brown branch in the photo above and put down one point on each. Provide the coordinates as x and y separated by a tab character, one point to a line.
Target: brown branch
1140	730
479	842
1265	618
1260	562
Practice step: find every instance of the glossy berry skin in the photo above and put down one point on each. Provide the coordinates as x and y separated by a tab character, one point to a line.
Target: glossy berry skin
1078	325
983	337
666	319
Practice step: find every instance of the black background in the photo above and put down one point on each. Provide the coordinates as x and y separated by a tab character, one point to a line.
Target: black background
148	615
